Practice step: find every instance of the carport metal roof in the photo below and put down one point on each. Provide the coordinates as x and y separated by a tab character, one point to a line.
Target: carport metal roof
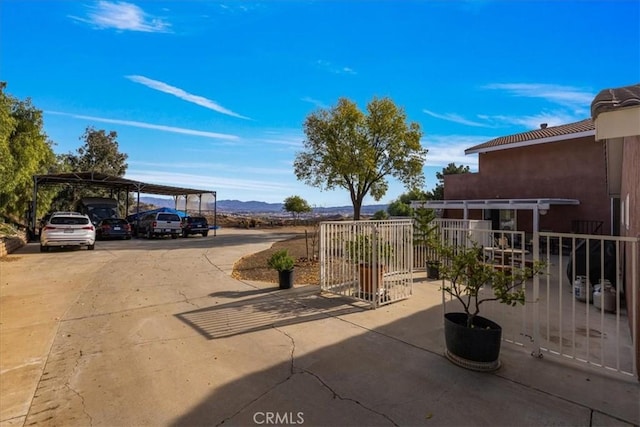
98	179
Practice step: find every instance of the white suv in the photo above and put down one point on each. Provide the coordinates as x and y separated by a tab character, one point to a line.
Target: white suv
67	229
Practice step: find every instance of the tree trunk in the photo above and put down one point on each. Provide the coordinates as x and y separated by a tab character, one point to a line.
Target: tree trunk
357	206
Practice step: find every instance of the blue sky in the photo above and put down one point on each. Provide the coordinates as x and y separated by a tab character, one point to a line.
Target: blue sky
213	94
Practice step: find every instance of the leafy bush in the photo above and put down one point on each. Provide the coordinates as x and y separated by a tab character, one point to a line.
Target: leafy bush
281	261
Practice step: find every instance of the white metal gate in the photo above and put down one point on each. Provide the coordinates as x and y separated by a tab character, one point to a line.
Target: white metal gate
583	308
371	261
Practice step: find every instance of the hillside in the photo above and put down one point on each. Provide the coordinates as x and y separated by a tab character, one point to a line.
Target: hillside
257	207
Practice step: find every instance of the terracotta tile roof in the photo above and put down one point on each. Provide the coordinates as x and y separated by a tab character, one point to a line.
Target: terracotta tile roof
612	99
539	135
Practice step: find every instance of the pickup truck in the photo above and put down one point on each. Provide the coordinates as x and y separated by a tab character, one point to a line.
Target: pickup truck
160	224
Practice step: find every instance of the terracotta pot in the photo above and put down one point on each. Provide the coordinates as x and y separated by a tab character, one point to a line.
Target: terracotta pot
367	276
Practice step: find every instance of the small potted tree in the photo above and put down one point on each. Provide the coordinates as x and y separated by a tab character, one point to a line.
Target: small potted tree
371	255
283	263
473	341
426	237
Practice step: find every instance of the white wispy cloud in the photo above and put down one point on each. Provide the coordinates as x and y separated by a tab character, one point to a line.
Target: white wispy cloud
122	16
456	118
335	69
212	166
315	102
445	149
554	118
201	181
144	125
568	96
184	95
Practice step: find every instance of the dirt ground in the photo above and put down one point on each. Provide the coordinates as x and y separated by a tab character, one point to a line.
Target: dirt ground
306	270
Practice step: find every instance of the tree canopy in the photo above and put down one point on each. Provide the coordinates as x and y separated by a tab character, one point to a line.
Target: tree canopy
99	153
25	150
451	169
347	148
402	205
296	205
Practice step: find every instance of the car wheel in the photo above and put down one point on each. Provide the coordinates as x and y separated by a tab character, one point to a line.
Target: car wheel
91	247
174	236
205	234
128	237
44	248
149	233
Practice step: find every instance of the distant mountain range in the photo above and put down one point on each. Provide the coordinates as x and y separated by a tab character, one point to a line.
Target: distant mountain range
256	207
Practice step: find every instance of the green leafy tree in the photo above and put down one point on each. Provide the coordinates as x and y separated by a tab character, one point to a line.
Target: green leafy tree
347	148
402	205
296	205
99	153
380	215
438	192
25	150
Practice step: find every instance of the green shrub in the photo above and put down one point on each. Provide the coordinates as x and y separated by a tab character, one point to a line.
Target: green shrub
281	261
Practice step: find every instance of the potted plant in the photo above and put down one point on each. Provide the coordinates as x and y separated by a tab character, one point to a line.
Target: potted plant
426	236
372	255
283	263
473	341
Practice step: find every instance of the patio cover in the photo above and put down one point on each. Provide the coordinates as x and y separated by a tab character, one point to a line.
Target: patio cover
538	206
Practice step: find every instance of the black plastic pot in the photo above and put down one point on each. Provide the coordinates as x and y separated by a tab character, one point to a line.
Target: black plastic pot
433	270
285	279
476	348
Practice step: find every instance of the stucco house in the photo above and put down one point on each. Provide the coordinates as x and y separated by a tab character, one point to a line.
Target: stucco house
616	114
562	165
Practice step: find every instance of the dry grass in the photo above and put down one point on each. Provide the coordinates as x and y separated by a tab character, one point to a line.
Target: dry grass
306	271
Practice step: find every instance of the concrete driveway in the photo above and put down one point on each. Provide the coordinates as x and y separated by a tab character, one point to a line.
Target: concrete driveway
157	333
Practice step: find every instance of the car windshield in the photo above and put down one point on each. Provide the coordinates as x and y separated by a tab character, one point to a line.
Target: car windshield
197	219
168	217
69	220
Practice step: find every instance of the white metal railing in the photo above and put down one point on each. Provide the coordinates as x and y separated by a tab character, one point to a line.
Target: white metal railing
588	298
371	261
564	315
476	231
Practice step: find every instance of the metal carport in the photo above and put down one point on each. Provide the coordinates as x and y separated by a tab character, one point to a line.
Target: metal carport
119	184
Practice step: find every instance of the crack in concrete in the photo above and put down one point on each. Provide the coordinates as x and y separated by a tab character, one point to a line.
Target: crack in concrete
68	386
187	300
292	372
336	395
84	409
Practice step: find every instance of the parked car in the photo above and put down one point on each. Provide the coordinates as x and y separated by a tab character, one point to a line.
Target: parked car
109	228
195	225
67	229
160	224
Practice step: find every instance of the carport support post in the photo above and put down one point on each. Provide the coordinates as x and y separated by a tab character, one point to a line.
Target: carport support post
34	207
215	213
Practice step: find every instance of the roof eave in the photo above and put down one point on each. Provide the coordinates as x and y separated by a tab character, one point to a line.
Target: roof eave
556	138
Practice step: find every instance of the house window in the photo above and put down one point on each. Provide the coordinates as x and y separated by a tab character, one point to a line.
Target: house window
508	219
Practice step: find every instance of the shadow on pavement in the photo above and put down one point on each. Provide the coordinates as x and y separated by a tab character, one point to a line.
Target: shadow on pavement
337	372
276	309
